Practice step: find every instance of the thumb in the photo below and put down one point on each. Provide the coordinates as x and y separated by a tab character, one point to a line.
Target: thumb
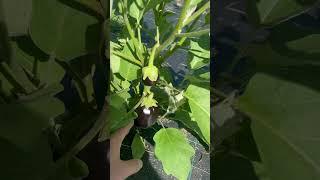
132	166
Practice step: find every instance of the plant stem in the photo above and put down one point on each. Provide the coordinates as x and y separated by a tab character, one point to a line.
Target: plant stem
139	35
177	29
153	51
197	13
126	19
194	33
180	42
131	31
158	35
136	105
128	58
90	135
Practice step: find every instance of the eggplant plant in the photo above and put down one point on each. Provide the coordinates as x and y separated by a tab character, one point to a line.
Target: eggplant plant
142	88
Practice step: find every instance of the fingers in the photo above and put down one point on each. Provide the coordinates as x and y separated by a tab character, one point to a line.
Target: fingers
117	138
131	166
124	131
121	133
121	169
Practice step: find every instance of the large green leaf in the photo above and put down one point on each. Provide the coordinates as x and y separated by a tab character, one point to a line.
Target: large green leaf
201	46
308	44
137	8
199	102
36	63
25	152
197	62
5	87
127	69
114	60
199	52
77	168
273	11
50	72
17	15
165	74
68	169
285	126
293	40
16	58
118	83
17	163
183	115
199	78
119	119
28	119
14	72
174	151
63	31
117	111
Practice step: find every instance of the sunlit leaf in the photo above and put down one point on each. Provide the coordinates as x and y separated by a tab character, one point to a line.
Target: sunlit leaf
174	151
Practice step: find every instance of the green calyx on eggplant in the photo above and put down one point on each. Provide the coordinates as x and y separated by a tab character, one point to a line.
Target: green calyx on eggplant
146	116
150	75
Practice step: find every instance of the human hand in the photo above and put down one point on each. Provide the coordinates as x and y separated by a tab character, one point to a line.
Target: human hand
119	169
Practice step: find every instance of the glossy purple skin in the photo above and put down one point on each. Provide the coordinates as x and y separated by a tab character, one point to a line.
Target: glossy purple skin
148	82
146	120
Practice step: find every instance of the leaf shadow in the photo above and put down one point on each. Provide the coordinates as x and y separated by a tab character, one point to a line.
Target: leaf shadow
95	156
27	153
76	5
303	75
229	167
204	41
93	38
290	31
28	46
